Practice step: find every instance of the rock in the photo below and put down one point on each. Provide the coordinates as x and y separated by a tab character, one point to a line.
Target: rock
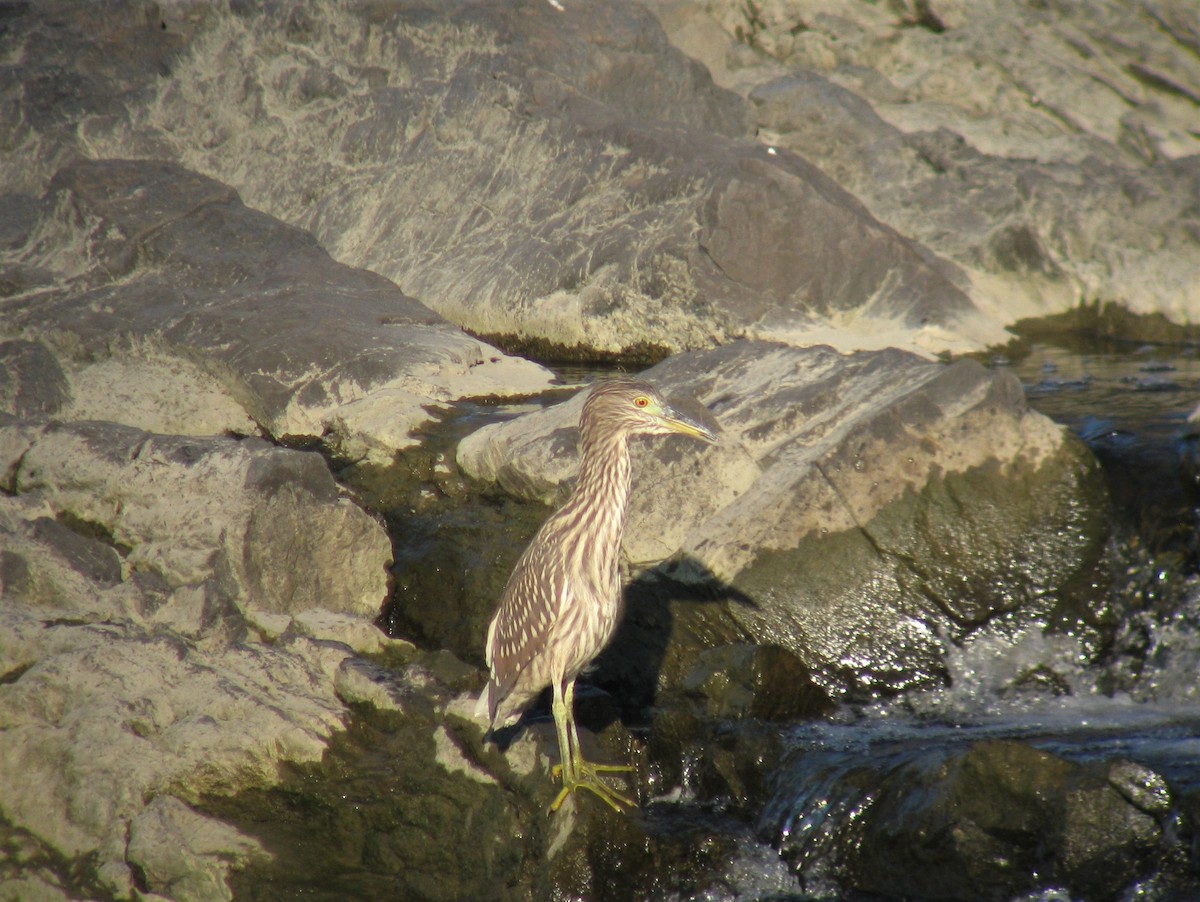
531	188
535	458
137	572
761	681
1050	160
266	525
986	819
1004	819
1108	838
725	765
525	183
189	671
184	855
100	720
179	310
858	511
31	381
411	802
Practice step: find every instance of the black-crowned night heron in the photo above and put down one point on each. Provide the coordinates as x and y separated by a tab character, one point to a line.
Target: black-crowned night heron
563	600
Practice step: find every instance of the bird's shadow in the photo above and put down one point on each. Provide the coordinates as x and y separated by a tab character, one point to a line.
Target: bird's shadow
680	594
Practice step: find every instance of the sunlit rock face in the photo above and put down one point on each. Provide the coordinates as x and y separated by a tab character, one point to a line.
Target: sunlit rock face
858	175
566	180
162	302
174	612
1048	151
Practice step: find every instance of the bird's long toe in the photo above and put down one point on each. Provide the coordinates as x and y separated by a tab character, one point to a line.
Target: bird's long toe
587	776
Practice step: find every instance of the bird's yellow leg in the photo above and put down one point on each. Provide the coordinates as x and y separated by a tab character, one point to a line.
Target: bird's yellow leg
577	773
577	749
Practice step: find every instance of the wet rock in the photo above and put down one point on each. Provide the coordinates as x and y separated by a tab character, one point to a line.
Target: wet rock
1003	819
725	765
410	801
451	568
858	510
990	819
760	681
641	858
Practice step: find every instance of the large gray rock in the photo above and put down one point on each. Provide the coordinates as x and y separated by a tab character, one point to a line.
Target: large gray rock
859	510
507	164
265	525
562	179
138	574
1050	151
174	308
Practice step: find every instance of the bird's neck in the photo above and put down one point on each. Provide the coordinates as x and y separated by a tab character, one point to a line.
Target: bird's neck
602	489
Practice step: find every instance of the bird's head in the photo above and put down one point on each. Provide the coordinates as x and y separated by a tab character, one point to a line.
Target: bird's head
627	407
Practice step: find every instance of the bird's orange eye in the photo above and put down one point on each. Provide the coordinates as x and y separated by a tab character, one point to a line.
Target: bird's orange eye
641	401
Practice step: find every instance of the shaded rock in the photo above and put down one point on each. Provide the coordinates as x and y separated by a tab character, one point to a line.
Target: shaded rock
450	570
858	510
177	309
760	681
1004	819
625	858
92	558
172	848
31	381
726	765
410	802
994	819
1108	839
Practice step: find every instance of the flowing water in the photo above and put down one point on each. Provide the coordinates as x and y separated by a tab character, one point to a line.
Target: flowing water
1135	700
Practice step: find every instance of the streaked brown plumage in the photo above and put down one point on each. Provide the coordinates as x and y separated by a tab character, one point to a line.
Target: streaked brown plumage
563	600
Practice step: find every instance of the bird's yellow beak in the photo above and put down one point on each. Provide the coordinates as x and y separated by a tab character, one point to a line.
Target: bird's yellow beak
681	423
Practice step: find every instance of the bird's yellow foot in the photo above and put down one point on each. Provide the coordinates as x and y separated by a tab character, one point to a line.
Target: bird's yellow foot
587	776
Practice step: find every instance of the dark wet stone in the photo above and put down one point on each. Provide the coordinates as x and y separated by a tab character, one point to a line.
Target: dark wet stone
1004	819
758	681
1106	842
415	805
621	857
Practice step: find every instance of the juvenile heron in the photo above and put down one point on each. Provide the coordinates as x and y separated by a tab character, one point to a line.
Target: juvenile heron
563	599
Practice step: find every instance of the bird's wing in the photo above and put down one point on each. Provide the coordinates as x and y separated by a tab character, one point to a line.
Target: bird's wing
535	595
